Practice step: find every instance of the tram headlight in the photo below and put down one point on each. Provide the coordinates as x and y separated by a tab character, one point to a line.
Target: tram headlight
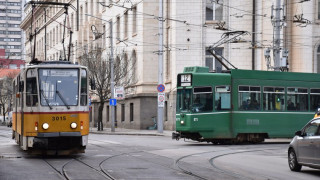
45	125
182	122
73	125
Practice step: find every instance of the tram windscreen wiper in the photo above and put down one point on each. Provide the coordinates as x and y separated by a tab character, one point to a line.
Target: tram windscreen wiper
45	98
63	100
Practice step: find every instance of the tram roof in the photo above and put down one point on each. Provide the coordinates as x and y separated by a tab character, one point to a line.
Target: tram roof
256	74
54	64
274	75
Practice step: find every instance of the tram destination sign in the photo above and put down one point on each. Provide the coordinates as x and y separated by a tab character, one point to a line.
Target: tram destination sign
185	80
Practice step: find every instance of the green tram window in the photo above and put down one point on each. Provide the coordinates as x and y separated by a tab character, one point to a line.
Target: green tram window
297	99
183	100
222	98
273	99
314	99
202	99
31	88
249	98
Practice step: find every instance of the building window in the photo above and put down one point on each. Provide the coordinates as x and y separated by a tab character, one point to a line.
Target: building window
118	28
122	112
134	20
131	112
214	10
126	24
212	62
318	9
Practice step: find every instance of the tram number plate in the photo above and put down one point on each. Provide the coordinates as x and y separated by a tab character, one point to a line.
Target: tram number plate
59	118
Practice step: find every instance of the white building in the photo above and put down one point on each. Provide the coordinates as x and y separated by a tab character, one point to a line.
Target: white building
190	27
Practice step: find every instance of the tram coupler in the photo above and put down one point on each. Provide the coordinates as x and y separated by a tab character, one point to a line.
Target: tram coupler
176	136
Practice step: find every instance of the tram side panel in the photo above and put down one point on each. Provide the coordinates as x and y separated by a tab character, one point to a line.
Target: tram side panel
274	123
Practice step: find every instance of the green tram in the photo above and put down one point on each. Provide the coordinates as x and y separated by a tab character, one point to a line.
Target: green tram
243	105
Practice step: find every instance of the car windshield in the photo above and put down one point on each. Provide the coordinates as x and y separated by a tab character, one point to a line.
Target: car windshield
59	87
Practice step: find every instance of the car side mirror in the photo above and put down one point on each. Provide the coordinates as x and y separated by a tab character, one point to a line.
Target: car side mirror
298	133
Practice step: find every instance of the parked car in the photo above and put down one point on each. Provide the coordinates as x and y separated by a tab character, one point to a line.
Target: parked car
9	122
304	149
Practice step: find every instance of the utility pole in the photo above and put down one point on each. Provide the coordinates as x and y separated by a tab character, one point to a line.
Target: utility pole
112	77
276	40
160	68
280	63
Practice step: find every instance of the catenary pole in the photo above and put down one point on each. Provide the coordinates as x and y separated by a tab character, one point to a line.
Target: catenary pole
160	69
112	77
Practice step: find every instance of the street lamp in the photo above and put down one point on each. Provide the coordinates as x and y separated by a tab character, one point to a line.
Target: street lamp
111	71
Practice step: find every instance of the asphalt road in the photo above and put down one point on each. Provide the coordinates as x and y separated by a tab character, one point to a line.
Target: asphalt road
150	157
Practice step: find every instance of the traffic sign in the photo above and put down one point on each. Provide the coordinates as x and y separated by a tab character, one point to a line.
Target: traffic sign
119	93
161	99
113	102
161	88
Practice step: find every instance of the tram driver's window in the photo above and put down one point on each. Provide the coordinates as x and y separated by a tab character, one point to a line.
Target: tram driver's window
83	92
31	88
222	98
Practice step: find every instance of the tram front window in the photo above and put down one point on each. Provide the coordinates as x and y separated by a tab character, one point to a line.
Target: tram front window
183	100
59	87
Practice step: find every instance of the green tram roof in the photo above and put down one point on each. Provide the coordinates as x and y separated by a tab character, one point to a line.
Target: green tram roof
274	75
255	74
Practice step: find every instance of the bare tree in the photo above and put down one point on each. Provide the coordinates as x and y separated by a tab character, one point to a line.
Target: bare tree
100	75
6	93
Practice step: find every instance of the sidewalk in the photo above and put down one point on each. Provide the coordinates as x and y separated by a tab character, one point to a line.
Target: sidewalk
137	132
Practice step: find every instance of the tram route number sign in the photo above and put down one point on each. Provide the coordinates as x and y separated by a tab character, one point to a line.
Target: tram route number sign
161	88
161	99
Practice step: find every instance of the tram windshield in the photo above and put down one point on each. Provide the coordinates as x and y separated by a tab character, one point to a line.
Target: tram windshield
183	100
59	87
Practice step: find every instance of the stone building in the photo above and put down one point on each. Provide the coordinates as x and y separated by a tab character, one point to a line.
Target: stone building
190	28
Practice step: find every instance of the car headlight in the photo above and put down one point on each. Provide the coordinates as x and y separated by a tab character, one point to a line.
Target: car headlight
73	125
45	125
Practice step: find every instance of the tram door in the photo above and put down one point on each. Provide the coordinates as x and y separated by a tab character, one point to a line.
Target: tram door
19	110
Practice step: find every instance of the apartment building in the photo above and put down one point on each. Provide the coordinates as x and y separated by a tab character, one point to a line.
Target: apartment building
190	29
10	32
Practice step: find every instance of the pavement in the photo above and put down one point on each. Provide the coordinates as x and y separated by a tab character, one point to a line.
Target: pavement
138	132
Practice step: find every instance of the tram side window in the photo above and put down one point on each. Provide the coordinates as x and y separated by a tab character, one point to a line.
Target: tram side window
249	98
222	98
314	99
273	99
297	99
83	90
31	87
202	99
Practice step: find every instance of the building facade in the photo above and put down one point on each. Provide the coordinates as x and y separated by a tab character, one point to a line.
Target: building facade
240	31
10	32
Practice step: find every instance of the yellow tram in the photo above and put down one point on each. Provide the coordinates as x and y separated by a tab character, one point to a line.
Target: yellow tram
50	108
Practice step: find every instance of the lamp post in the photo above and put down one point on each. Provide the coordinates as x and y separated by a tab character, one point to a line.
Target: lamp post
111	70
